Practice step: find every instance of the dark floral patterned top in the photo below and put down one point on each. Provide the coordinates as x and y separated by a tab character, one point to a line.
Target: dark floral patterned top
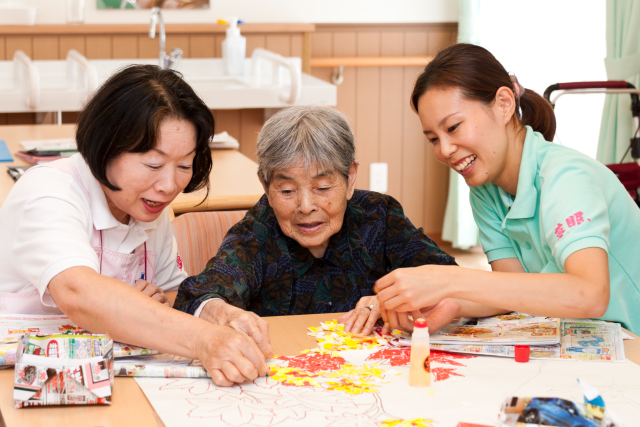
260	269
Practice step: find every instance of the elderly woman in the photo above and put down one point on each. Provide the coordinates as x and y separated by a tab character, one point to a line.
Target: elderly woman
312	244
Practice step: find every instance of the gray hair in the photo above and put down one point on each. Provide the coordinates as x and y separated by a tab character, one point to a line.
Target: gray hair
318	136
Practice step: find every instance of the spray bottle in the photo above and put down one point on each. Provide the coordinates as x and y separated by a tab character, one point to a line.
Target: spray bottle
419	364
234	49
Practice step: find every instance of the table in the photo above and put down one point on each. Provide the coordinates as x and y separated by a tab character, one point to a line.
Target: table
234	183
131	407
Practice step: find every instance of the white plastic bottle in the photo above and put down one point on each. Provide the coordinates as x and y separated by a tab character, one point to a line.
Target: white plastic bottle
234	48
419	363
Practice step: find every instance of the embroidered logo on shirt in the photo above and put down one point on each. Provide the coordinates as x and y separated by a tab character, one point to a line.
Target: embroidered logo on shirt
179	261
572	221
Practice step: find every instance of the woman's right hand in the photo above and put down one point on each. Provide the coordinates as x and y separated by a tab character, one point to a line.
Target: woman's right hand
437	316
220	313
229	356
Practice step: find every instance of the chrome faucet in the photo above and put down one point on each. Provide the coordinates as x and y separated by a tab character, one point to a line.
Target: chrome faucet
166	61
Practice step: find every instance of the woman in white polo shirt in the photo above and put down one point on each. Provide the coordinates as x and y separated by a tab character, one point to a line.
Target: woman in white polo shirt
559	229
90	237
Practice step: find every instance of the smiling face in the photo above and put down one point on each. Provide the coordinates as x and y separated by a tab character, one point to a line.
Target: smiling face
150	181
470	137
310	206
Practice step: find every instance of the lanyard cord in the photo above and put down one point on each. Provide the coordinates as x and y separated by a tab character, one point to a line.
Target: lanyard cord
145	257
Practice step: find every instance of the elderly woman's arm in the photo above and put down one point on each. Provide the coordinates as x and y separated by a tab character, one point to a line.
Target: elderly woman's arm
221	294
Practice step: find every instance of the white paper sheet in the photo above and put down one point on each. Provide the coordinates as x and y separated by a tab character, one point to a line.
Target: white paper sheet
472	390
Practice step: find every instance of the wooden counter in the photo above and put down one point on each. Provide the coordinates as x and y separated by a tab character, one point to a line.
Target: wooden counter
131	407
234	183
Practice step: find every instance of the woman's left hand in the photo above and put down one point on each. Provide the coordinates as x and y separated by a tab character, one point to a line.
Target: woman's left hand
410	289
363	317
152	291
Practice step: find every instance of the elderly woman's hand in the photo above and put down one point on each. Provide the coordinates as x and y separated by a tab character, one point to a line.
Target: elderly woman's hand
220	313
152	291
363	317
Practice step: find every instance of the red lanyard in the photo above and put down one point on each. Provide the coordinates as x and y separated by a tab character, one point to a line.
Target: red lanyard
145	257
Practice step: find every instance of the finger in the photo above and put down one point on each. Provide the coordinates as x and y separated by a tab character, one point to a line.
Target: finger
386	328
392	304
160	297
393	320
167	303
441	315
371	322
248	325
361	319
405	323
140	284
345	318
252	353
150	289
231	371
219	379
264	329
387	294
385	281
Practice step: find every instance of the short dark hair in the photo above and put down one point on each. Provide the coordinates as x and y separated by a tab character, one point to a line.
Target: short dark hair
479	75
125	113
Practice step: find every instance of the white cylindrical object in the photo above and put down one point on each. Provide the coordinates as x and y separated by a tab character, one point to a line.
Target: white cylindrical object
419	363
234	48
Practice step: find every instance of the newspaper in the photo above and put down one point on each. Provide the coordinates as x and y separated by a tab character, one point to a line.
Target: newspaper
509	329
580	339
63	369
160	365
14	326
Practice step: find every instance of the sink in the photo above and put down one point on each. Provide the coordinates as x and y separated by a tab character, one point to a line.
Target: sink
269	81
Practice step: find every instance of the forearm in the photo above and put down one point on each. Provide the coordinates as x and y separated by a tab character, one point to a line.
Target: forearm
543	294
102	304
474	309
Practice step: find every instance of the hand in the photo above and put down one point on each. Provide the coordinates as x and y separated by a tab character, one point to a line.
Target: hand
409	289
363	317
441	314
220	313
152	291
229	356
394	320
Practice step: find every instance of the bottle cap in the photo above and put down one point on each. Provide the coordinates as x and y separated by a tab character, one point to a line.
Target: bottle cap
420	323
522	353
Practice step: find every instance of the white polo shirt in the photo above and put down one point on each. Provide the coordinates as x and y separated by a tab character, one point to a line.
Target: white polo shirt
46	224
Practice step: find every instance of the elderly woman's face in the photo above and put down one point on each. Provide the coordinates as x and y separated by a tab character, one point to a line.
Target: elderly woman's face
310	206
150	181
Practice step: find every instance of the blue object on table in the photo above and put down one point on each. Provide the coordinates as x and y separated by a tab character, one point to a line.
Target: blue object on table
5	154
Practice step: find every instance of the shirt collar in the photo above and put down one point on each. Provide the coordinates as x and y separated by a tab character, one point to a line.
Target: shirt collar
101	216
525	203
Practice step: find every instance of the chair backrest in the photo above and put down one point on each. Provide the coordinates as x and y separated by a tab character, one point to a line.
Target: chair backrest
200	234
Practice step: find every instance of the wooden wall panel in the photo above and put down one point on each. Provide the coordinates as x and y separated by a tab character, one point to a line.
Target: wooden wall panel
180	41
125	47
367	125
148	48
71	42
13	43
251	121
297	45
280	44
99	47
376	102
3	49
253	42
202	46
46	47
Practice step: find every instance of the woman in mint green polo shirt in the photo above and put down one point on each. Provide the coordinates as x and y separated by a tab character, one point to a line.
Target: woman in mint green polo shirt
541	208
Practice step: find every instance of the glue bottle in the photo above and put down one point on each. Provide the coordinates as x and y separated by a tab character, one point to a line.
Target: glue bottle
420	365
234	48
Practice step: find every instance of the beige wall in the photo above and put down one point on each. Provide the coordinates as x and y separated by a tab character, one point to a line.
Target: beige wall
374	99
376	102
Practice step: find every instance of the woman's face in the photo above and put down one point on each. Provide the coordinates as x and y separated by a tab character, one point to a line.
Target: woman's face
150	181
467	135
310	206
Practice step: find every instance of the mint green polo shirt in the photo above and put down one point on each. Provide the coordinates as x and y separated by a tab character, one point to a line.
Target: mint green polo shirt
565	202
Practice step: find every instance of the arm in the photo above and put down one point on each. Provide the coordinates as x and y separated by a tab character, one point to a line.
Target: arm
581	292
102	304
